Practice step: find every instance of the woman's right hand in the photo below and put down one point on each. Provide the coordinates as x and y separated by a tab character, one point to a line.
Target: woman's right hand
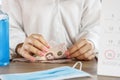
35	44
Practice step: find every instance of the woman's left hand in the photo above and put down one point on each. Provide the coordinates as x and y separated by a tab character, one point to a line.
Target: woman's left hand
82	50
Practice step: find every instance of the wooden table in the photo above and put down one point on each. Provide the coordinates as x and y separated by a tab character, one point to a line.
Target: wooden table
22	67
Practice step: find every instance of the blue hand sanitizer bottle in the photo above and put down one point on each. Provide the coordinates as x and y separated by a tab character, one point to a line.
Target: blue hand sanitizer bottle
4	38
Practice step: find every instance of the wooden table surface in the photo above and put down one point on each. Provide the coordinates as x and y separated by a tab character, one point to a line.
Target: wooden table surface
22	67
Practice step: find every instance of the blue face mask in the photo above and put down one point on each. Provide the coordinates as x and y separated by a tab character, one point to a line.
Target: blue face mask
59	73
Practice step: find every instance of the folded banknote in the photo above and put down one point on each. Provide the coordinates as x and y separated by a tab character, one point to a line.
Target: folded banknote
56	51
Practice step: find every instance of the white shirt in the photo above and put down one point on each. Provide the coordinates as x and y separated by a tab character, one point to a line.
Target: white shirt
59	20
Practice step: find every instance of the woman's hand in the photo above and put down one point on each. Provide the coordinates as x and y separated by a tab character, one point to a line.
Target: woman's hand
35	44
82	50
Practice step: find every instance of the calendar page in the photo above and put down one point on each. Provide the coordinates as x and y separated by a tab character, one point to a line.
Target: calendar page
109	54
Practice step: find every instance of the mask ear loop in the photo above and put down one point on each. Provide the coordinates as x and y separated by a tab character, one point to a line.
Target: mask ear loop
80	63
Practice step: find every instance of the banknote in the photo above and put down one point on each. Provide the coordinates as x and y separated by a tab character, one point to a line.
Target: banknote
56	51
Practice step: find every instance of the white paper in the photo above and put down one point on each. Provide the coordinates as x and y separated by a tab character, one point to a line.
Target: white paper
109	56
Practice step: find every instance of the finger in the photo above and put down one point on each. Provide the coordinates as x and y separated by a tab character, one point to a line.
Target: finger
41	39
76	54
82	50
33	50
91	57
86	55
37	44
77	45
26	55
85	48
80	57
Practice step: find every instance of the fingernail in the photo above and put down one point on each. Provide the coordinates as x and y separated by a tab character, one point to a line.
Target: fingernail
41	54
48	46
32	59
68	57
45	49
67	54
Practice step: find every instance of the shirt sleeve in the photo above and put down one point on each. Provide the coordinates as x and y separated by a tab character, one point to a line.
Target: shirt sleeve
17	35
90	22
